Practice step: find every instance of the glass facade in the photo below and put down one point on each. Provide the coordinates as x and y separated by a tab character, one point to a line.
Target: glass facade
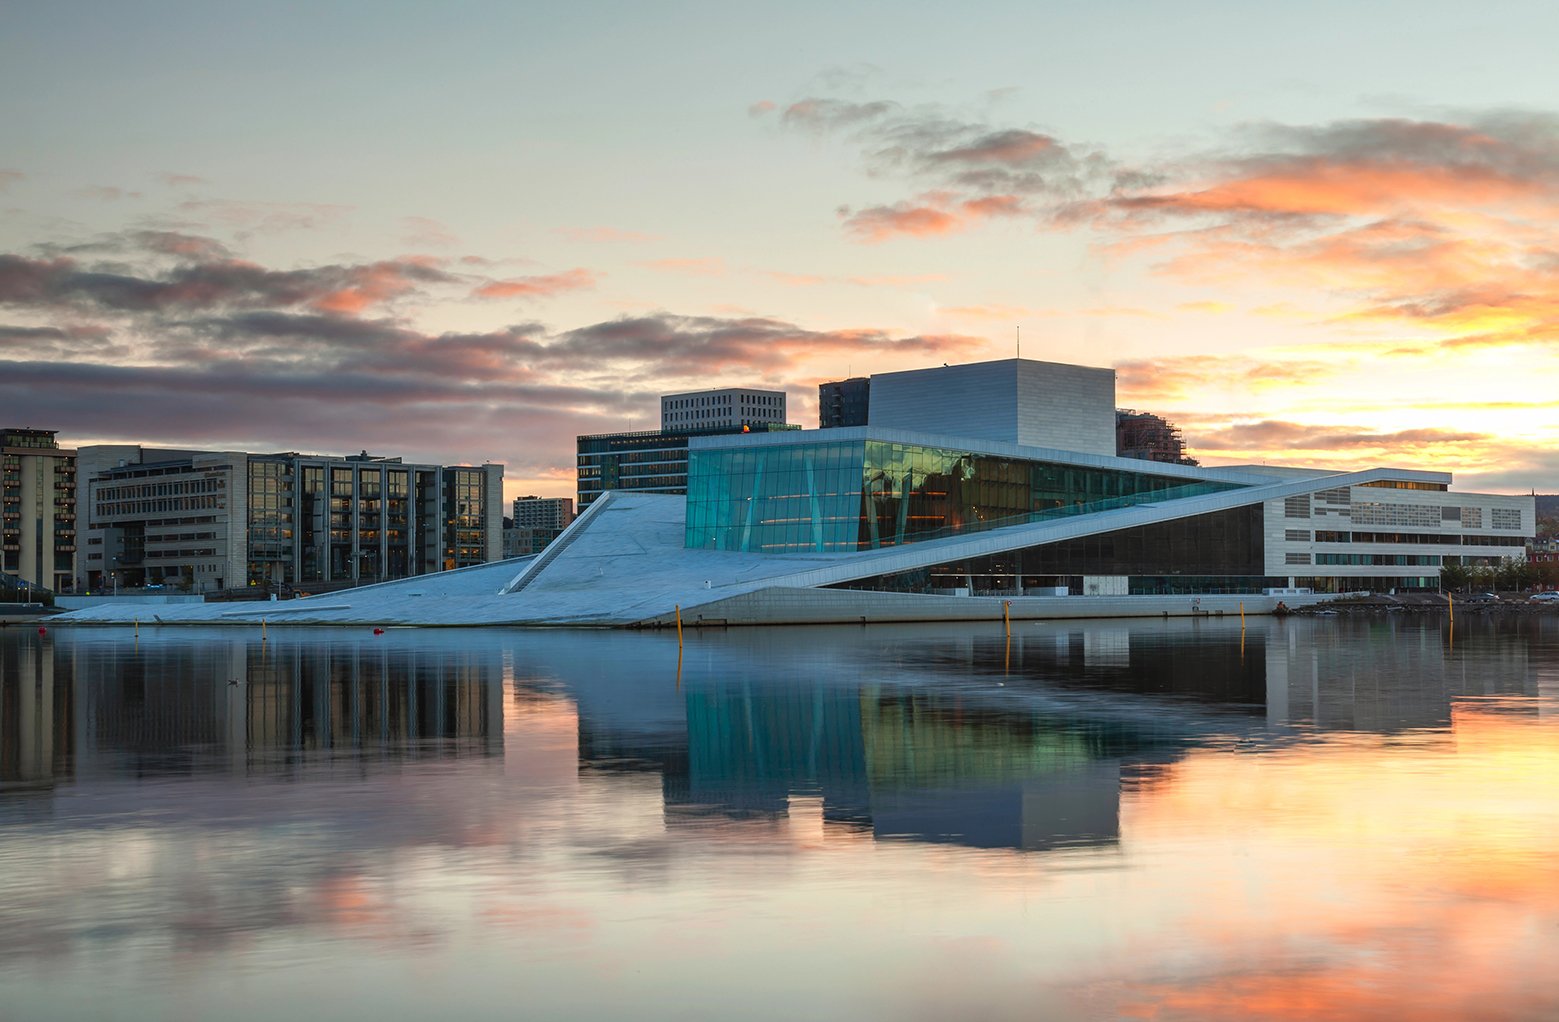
465	510
862	494
653	461
270	521
1212	553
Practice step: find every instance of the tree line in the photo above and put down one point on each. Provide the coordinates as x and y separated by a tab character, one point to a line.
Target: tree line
1509	575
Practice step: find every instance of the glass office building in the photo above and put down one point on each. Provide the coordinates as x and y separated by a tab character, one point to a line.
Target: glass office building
648	461
861	493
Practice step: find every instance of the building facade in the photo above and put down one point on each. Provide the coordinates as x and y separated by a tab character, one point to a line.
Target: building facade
1200	530
732	407
37	509
537	521
844	402
650	461
1013	400
543	512
212	520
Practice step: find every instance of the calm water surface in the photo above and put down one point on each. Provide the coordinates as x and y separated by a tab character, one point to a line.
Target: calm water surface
1318	819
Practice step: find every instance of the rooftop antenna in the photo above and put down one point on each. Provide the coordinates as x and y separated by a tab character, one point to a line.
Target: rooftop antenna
1020	342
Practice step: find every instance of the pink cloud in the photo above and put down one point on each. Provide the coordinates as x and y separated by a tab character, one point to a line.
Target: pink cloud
539	287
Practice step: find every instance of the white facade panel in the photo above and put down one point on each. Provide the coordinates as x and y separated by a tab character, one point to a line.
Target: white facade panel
1372	532
1018	401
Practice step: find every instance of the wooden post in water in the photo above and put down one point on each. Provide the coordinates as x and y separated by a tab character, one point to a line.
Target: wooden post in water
679	635
262	628
1006	616
1242	613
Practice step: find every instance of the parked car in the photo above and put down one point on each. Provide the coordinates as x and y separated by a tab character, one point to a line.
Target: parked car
1483	598
1549	597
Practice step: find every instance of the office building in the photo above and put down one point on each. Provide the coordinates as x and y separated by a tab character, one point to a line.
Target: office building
649	461
37	509
732	407
553	513
843	402
210	520
537	521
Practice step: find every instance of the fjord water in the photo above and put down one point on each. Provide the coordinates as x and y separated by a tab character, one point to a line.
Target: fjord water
1161	819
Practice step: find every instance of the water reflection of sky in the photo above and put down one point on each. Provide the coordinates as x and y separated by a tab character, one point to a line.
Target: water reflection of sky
1155	819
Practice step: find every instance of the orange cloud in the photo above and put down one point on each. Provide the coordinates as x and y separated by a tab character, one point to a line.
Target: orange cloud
538	287
929	217
879	223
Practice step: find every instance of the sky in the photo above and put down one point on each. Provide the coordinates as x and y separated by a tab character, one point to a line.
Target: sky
1320	234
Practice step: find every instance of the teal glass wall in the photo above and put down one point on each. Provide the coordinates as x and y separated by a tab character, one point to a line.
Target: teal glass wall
863	494
778	499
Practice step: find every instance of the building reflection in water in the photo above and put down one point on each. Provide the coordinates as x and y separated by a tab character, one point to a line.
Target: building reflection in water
37	737
948	735
84	705
1031	746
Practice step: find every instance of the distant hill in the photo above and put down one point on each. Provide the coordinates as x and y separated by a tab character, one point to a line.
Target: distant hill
1548	505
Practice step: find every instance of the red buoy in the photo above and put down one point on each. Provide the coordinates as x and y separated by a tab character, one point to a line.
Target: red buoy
42	630
377	631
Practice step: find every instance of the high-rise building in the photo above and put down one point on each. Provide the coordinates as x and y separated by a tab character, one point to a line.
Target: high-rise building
208	520
37	508
714	409
843	402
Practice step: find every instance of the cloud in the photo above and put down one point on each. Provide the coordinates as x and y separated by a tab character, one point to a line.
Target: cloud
540	286
1277	435
167	337
180	180
671	345
1145	381
971	160
878	223
62	282
1442	228
933	214
82	340
9	178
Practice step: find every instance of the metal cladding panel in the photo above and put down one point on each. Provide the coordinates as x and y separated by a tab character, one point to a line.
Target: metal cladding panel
1038	404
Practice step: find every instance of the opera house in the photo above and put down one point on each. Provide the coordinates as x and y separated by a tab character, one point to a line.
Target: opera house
973	493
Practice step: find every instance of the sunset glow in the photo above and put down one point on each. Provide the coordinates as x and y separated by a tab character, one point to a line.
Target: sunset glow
1345	268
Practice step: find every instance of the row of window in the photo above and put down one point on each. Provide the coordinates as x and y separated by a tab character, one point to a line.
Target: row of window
1410	515
1422	539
